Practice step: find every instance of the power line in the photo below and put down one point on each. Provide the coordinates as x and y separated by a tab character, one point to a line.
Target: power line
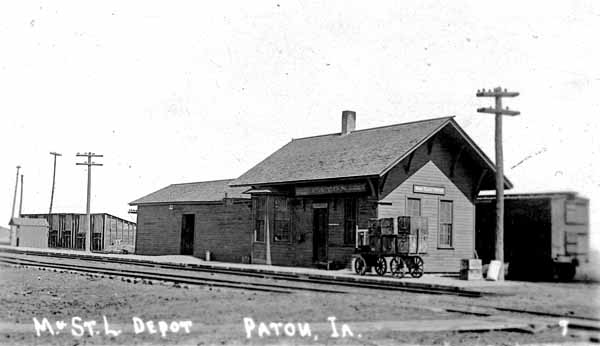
498	94
89	163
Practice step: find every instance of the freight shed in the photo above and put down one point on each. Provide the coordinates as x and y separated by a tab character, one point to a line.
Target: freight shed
193	218
314	196
546	235
109	233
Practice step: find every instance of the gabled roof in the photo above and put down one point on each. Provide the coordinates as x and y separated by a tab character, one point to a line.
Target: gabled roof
204	191
368	152
22	221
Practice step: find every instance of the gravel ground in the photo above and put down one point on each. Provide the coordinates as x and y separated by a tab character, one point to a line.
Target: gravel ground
217	314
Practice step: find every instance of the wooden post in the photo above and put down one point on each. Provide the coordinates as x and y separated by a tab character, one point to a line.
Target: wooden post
12	213
89	163
498	94
21	198
499	250
268	231
53	181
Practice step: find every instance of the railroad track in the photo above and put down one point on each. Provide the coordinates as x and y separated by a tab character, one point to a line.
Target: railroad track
286	284
178	279
347	282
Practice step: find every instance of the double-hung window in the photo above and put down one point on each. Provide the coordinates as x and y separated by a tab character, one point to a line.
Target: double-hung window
259	205
281	220
446	223
350	211
413	207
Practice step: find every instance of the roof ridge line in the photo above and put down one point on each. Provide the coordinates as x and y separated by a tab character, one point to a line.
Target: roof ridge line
407	123
378	127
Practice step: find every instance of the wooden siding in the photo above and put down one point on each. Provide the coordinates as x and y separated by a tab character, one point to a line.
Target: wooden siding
574	231
437	259
224	230
104	226
32	236
299	251
558	228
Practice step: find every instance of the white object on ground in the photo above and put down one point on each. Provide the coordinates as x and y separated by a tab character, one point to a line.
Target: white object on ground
494	270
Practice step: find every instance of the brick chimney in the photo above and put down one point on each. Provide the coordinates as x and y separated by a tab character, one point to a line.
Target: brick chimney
348	122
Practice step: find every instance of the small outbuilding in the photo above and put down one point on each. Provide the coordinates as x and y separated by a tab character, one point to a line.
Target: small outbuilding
196	218
27	232
4	236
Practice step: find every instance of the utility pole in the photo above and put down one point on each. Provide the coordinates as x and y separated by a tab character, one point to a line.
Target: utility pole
89	163
53	181
498	94
12	213
21	198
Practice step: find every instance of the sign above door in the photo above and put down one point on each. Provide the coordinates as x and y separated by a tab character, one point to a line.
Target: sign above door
330	189
431	190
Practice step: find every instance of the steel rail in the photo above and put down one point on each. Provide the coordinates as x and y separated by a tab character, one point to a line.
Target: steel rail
272	288
302	278
167	277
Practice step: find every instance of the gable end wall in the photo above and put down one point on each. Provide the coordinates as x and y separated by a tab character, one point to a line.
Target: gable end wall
437	259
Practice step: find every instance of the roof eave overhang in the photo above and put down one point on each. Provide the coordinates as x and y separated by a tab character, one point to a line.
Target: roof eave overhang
507	183
414	147
308	181
187	202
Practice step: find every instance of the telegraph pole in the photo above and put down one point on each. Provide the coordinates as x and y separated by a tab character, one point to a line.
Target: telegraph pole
12	214
53	181
21	198
89	163
498	94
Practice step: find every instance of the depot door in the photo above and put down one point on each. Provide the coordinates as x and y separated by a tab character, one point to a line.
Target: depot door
320	230
187	234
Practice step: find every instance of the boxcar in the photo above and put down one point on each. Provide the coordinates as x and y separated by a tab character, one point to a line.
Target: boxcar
546	235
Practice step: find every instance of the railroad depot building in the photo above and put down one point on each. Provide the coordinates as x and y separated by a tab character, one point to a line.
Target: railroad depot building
193	218
313	196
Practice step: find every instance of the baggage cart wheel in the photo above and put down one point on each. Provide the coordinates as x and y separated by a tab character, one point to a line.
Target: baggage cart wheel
360	266
397	267
380	266
416	269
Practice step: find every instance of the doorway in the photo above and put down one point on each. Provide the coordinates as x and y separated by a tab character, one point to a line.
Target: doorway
320	234
187	234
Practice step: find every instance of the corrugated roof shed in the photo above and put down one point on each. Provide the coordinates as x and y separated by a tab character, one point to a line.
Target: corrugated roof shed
366	152
22	221
205	191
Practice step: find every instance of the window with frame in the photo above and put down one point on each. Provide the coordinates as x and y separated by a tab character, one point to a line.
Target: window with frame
350	218
413	207
281	220
446	220
259	205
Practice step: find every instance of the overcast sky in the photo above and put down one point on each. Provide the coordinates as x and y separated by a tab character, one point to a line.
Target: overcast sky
174	92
